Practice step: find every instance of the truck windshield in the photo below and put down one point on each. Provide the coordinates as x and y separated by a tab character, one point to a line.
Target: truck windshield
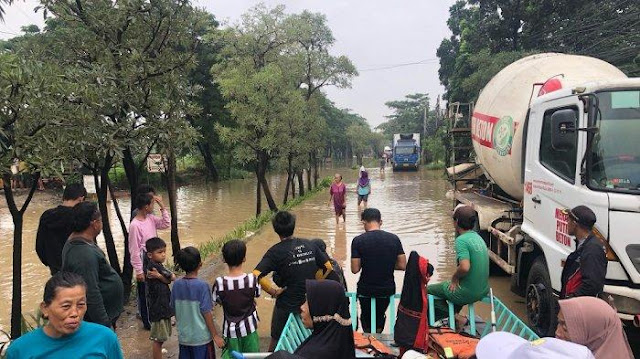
615	153
405	150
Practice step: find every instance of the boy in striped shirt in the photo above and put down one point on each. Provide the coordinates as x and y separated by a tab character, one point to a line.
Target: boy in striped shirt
236	293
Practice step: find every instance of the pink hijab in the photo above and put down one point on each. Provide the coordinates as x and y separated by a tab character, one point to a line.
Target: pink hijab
593	323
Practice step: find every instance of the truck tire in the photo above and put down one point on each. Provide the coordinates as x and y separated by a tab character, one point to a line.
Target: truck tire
540	301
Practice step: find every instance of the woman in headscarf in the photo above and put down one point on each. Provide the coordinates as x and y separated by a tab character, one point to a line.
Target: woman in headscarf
364	188
326	313
592	322
338	193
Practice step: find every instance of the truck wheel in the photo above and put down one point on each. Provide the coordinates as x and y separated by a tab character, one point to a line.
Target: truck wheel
541	304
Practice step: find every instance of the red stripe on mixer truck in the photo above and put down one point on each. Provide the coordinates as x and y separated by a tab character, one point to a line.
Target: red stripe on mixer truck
482	128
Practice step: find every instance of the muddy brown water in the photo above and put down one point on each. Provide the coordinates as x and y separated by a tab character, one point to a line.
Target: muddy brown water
413	205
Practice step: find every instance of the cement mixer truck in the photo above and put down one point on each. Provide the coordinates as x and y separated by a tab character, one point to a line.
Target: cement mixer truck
550	132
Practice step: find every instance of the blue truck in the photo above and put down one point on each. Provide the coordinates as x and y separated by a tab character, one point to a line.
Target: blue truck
406	151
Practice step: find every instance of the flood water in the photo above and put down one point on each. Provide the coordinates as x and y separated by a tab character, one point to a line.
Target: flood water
413	206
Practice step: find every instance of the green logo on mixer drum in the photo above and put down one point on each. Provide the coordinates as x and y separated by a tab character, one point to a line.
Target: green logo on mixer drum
503	135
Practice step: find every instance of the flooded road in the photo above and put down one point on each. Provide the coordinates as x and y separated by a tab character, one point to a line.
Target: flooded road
413	206
206	211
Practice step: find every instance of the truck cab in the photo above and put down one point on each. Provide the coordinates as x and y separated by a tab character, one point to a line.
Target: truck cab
581	149
406	151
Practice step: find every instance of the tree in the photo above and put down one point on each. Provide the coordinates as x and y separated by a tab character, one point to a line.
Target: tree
314	68
359	138
208	97
505	30
407	116
31	102
259	94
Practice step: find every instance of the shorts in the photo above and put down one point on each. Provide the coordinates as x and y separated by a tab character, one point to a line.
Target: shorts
160	330
278	321
206	351
363	197
246	344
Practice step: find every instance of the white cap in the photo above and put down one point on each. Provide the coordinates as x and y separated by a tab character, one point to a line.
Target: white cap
362	169
412	354
510	346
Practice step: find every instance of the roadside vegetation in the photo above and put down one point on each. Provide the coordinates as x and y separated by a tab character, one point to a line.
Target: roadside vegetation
105	84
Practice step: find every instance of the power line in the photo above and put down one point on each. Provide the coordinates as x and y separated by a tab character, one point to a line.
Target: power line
387	67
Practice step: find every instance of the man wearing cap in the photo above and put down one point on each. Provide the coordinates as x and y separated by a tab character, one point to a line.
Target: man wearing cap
585	268
470	282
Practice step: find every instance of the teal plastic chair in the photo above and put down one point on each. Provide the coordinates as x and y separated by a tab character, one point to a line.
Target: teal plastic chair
295	333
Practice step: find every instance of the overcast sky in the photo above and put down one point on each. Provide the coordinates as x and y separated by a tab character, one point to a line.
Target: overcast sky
377	35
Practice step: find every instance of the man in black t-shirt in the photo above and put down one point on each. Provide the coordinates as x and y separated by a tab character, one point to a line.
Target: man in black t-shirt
378	254
294	260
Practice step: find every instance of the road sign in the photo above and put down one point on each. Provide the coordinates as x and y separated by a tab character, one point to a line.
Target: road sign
155	163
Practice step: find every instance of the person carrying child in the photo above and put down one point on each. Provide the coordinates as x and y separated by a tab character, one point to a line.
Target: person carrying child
158	294
236	292
192	302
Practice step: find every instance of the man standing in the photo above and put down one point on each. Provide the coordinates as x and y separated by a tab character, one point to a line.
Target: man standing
585	268
294	261
56	224
377	253
81	255
470	282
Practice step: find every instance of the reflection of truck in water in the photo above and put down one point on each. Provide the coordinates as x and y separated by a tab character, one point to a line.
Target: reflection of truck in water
406	151
550	132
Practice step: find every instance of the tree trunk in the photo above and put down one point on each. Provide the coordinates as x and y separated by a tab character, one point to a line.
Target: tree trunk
131	170
101	181
258	195
205	151
289	178
127	268
316	175
263	161
293	185
18	221
301	183
309	185
173	201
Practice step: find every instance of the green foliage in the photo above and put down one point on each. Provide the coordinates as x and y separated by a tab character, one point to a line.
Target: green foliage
489	34
407	116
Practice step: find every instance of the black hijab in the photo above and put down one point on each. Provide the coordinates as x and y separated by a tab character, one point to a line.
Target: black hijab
332	335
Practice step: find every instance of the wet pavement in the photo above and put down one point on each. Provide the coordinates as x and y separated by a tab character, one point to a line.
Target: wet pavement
413	204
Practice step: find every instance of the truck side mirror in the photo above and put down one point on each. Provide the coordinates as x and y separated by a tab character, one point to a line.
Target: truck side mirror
563	130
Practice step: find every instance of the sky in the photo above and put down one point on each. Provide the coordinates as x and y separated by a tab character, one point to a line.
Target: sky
392	43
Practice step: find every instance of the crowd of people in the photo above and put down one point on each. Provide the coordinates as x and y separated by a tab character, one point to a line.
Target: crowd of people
84	298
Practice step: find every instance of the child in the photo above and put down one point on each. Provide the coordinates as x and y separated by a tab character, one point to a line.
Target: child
336	274
191	301
364	187
236	293
142	227
158	294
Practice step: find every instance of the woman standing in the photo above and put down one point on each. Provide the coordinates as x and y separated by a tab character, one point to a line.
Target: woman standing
364	188
338	192
66	335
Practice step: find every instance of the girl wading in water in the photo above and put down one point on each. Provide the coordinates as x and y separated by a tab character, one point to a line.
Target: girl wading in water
338	191
364	188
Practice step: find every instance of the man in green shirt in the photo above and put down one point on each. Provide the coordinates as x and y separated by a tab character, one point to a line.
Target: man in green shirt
470	282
